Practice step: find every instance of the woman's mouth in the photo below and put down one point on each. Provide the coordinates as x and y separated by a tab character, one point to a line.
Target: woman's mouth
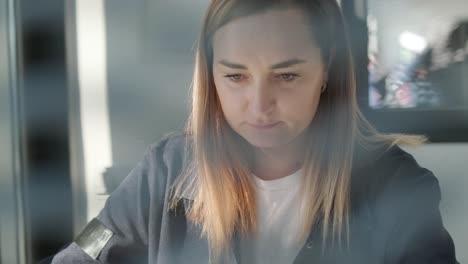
264	126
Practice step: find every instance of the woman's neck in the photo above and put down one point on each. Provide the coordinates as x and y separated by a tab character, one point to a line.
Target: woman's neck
271	164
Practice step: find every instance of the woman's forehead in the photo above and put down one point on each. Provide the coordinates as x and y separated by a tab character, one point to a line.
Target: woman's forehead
283	33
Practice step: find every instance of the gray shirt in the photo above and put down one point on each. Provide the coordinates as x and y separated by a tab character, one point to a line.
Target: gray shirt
394	216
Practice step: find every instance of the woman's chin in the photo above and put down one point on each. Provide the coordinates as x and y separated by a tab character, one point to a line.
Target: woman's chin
266	142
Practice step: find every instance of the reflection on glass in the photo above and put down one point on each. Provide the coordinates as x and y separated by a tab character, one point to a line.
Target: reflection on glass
418	54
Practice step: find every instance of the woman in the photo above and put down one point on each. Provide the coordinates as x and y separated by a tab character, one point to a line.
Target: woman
277	164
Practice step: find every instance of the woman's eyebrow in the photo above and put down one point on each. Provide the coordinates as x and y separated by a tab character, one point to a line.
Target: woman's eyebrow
232	65
280	65
287	63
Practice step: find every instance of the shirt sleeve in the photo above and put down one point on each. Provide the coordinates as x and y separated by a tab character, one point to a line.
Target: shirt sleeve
119	234
417	234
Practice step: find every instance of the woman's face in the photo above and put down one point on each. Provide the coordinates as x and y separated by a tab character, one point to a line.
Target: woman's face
268	74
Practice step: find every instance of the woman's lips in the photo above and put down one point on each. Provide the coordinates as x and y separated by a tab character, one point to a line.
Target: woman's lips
264	126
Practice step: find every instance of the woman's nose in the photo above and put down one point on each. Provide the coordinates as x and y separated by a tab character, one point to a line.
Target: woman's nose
263	99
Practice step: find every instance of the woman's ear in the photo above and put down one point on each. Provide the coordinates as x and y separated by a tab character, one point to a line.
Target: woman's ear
328	63
324	79
331	58
326	70
325	75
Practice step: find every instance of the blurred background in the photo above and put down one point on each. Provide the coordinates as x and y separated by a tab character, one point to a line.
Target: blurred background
87	85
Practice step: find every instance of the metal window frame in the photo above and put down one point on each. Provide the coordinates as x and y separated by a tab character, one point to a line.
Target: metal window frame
56	20
12	233
77	172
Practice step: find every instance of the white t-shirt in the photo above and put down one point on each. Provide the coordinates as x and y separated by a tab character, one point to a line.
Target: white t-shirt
277	222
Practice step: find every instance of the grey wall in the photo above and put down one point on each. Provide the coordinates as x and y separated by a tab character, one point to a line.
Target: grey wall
149	74
150	62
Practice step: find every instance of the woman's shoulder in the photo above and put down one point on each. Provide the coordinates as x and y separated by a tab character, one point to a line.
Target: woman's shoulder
171	141
393	181
393	168
403	171
170	148
393	184
403	200
170	154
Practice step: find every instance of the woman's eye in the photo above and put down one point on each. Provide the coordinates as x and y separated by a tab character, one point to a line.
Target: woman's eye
288	76
234	77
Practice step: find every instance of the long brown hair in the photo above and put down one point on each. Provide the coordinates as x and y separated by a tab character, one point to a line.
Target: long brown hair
224	199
